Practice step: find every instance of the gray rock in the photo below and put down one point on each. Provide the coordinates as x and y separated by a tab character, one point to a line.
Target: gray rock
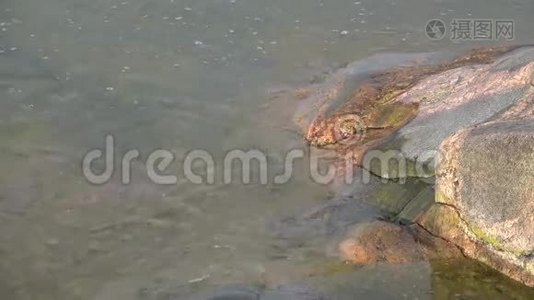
486	173
457	99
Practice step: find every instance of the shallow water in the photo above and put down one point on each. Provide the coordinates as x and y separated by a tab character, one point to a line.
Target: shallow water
186	75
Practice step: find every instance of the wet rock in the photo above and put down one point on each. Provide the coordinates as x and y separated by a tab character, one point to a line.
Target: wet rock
282	292
361	201
354	208
230	292
236	294
353	106
393	122
416	206
379	242
385	242
486	184
393	119
331	94
452	100
373	96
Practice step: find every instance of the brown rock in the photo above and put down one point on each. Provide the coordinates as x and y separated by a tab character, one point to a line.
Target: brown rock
379	241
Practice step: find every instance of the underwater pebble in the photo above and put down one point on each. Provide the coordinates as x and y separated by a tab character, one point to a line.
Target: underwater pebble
196	280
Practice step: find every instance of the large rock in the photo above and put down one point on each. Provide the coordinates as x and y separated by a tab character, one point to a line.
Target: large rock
356	106
484	126
485	193
480	109
393	117
452	100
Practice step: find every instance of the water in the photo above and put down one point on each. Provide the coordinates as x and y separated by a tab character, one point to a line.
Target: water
185	75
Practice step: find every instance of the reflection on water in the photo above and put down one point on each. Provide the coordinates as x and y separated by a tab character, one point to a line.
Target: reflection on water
182	75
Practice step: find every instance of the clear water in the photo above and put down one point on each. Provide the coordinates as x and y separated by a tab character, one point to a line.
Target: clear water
185	75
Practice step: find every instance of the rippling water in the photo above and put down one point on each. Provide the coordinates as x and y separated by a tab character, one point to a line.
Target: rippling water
184	75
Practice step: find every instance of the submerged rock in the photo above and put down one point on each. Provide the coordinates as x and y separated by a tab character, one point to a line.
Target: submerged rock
236	293
282	292
360	202
379	242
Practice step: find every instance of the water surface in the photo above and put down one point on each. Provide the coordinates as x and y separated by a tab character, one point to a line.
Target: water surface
186	75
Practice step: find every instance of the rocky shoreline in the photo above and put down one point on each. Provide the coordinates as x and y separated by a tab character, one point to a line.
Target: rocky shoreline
468	123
